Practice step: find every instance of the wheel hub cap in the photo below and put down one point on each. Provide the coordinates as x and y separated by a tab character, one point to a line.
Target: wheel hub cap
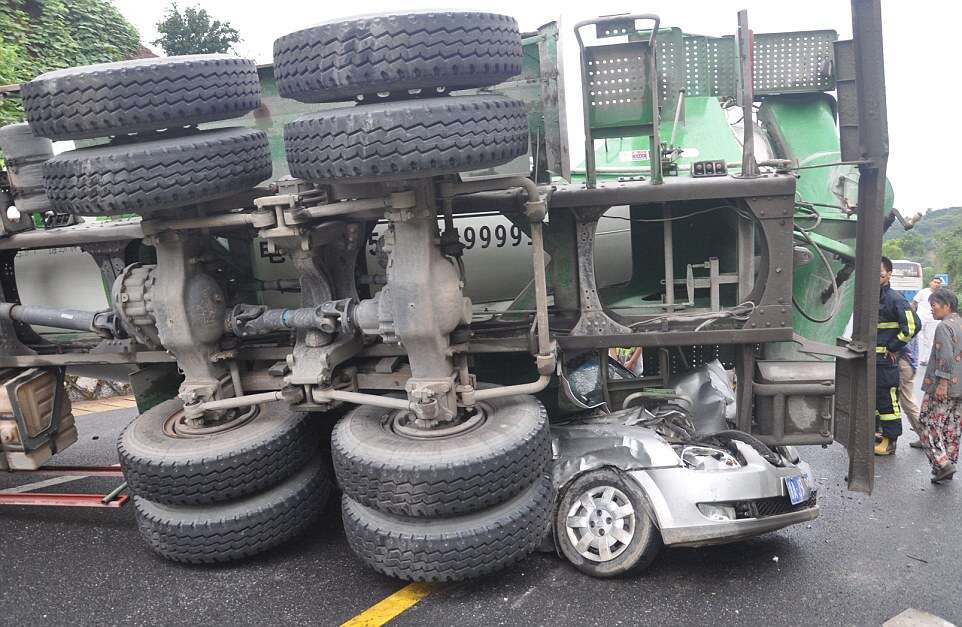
601	523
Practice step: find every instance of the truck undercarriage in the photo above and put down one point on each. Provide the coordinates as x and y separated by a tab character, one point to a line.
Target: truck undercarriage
440	407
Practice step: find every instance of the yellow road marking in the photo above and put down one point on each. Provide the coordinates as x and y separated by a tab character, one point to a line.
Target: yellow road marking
98	405
389	608
118	402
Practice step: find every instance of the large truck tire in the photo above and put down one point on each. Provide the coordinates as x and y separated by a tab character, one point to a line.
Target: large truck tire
150	176
203	534
163	464
340	59
110	99
450	549
487	464
407	139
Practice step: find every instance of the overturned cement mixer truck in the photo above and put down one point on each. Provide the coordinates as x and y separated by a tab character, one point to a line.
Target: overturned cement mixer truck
435	337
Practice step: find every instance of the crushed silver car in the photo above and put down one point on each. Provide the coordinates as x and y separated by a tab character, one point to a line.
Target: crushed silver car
657	474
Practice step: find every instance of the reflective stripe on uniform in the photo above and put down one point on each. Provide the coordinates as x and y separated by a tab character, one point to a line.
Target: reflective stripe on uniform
888	325
910	321
896	410
881	349
889	417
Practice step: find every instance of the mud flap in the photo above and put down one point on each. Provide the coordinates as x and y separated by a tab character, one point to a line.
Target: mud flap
864	135
855	416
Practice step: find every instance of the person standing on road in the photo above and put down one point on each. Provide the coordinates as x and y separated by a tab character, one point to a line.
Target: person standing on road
897	325
630	358
920	303
908	364
942	384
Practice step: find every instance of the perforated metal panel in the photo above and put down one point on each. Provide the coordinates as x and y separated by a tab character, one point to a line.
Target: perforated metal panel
697	67
618	87
671	63
794	62
703	66
684	358
618	28
720	54
707	66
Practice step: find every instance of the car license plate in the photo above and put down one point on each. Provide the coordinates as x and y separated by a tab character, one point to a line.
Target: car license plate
797	491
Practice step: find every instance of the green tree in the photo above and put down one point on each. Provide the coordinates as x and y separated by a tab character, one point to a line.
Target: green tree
10	109
192	31
893	249
950	254
914	246
36	37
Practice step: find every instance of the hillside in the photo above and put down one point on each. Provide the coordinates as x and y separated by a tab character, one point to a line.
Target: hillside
935	242
933	223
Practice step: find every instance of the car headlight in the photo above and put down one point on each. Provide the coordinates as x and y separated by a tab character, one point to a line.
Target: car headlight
707	458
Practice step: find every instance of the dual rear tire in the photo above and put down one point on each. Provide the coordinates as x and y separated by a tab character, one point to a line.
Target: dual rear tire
399	69
156	159
224	494
398	64
442	506
445	508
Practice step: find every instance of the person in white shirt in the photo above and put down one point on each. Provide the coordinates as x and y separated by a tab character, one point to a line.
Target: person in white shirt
920	303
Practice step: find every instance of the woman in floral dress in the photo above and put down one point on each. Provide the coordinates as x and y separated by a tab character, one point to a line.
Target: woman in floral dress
942	404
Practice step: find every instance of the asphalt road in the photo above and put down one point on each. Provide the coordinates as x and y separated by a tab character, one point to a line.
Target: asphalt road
863	561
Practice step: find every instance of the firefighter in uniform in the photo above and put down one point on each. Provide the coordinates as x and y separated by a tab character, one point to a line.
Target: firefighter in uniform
897	325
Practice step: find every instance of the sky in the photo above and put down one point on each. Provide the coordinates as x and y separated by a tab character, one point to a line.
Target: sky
921	66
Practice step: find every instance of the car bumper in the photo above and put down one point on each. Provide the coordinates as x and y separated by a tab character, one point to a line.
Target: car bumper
757	490
724	532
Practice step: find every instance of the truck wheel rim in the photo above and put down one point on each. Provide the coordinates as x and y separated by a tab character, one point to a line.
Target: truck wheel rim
177	426
601	523
402	423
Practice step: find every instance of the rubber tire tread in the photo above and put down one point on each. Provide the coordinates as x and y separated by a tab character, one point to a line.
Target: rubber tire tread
124	97
445	477
451	549
237	529
219	467
337	60
160	174
407	139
